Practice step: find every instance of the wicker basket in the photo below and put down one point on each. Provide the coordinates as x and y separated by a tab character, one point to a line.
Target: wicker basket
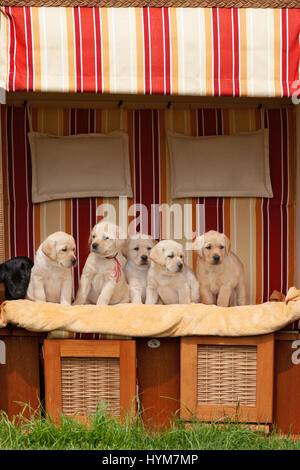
226	375
87	383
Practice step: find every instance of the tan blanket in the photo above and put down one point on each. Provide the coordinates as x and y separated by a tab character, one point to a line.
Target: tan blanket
154	320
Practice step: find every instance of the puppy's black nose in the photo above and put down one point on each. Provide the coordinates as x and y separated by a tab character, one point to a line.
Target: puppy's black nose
73	261
216	258
144	257
180	265
95	246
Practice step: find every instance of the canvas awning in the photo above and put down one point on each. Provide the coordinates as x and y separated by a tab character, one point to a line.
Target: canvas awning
172	51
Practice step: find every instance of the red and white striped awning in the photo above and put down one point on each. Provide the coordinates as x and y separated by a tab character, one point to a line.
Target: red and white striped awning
173	51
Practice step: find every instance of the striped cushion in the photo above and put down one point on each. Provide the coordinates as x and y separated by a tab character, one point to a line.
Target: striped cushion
176	51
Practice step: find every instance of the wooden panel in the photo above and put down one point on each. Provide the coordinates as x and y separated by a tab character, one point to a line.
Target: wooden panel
92	348
265	378
262	412
128	378
287	385
158	380
56	349
19	376
52	379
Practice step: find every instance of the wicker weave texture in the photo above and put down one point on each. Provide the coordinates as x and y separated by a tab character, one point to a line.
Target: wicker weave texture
226	375
88	382
156	3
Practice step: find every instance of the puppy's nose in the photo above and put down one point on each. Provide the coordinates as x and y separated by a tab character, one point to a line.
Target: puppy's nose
216	258
95	246
144	257
73	261
180	265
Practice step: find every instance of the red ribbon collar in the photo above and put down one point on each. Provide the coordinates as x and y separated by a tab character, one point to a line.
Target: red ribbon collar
118	268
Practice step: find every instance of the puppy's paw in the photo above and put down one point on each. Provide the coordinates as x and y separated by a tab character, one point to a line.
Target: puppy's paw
101	302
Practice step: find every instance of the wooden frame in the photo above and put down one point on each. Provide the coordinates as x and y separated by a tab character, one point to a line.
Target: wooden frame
262	412
287	383
19	372
158	380
54	350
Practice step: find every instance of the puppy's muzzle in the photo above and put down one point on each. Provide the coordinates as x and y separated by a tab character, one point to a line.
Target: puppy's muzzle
179	266
144	259
216	259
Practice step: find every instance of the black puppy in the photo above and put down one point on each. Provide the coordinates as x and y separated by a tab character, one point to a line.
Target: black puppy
15	274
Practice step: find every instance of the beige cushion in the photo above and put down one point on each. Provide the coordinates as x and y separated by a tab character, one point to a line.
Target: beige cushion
234	165
83	165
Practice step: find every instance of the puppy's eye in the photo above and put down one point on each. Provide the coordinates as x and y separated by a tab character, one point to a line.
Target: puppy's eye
94	236
208	247
149	248
221	247
136	248
181	256
105	237
64	249
170	256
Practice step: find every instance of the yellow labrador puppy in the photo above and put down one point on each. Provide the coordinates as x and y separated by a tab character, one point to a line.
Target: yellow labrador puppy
137	250
103	280
168	277
51	275
219	271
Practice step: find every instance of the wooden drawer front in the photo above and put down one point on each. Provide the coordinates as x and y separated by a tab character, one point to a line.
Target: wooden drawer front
81	375
227	378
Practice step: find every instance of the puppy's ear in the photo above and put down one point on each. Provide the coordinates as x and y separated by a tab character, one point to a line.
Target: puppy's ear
227	243
121	239
91	234
2	272
157	255
49	249
198	245
124	247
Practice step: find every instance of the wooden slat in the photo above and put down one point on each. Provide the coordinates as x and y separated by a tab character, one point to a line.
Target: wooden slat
52	379
127	378
90	348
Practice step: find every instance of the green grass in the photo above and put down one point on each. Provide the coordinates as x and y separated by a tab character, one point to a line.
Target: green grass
106	433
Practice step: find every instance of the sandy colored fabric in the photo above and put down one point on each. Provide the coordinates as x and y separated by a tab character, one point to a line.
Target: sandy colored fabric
154	320
212	165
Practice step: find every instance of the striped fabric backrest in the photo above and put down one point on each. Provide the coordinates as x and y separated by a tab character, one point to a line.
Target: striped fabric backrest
261	230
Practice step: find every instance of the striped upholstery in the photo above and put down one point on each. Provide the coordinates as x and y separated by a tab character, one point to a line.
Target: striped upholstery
261	230
185	51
